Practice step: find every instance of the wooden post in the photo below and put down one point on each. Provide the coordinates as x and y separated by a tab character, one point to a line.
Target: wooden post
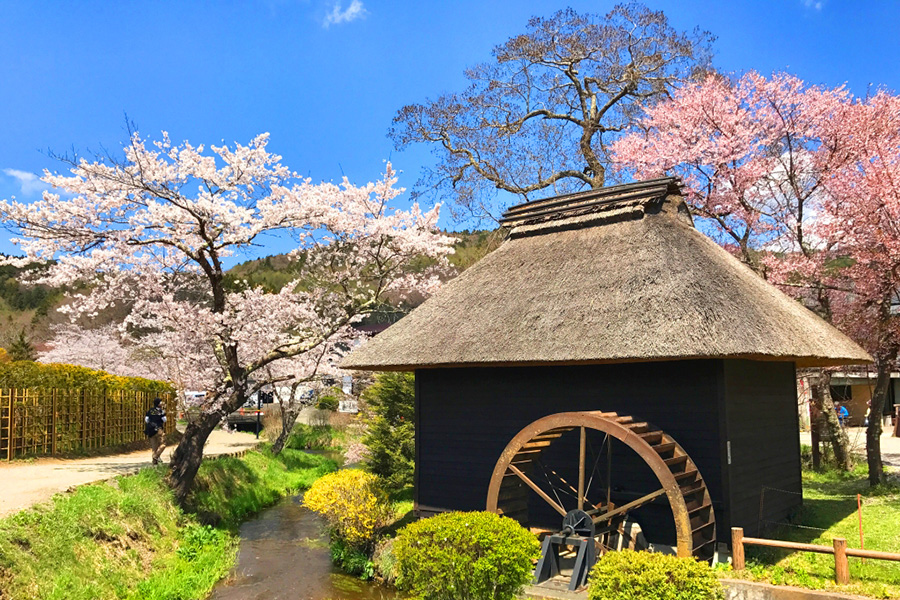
581	459
12	428
737	548
841	565
12	423
105	417
53	418
83	394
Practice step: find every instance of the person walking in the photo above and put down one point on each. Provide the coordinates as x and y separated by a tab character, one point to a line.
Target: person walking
154	429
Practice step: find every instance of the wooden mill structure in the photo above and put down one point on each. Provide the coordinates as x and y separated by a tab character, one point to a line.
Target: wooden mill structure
611	358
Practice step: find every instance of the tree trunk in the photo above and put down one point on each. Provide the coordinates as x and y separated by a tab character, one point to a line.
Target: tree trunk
839	442
873	431
289	416
188	454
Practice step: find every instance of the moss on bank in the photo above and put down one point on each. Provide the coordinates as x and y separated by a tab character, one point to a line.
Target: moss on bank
126	538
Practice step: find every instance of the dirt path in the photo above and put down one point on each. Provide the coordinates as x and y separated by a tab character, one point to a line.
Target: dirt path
890	446
25	483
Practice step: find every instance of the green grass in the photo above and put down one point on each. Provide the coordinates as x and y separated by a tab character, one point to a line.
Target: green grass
311	437
228	490
126	538
829	504
402	505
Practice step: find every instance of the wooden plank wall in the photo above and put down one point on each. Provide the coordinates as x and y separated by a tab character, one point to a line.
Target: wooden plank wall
466	417
764	430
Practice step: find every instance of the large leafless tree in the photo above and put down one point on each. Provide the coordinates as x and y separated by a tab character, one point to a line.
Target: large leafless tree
541	114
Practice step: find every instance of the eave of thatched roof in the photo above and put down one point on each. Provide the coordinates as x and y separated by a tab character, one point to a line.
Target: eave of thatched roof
619	275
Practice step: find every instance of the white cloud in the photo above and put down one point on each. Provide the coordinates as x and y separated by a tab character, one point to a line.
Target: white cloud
338	16
29	183
813	4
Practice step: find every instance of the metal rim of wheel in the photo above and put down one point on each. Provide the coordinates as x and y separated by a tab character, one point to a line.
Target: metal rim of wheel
678	476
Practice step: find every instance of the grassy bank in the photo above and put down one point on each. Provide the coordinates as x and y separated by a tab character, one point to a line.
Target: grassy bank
126	538
829	511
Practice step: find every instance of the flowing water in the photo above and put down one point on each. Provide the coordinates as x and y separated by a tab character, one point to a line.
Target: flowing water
284	556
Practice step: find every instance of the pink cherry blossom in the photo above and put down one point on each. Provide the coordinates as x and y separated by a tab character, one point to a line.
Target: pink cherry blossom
150	233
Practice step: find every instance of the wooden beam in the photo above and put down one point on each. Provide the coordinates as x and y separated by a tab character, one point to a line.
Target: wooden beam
581	457
630	506
537	490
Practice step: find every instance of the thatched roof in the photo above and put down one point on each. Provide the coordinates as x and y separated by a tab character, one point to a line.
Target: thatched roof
612	275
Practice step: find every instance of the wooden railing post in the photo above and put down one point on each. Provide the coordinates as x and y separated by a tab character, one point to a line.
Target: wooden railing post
841	565
737	548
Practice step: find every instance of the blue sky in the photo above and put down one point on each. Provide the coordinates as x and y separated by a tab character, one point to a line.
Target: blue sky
326	77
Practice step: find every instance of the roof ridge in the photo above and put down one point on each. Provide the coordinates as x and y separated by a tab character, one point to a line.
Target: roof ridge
590	207
672	186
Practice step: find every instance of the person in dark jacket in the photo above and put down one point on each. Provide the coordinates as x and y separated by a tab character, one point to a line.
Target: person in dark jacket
154	428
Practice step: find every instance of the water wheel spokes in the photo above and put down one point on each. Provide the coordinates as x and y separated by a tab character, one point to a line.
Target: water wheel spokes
681	484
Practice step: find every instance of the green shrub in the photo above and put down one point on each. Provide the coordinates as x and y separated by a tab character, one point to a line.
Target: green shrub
465	556
27	374
392	434
328	402
350	560
385	561
630	575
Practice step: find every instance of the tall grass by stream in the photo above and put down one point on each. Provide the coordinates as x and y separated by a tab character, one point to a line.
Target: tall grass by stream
127	539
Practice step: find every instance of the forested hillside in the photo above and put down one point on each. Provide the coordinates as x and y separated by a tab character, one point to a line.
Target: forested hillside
32	309
273	272
24	307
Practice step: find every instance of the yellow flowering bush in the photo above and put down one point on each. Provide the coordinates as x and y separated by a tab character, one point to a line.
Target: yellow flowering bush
354	504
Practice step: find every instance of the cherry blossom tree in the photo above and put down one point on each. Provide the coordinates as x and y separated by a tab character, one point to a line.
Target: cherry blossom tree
748	152
861	219
101	348
802	181
151	231
753	159
304	376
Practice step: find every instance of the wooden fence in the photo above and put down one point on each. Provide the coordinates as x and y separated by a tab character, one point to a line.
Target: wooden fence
38	421
839	549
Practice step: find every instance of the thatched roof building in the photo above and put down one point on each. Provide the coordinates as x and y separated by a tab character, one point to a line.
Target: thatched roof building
600	308
613	275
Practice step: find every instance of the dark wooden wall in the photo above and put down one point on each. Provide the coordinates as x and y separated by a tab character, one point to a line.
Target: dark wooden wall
466	416
763	427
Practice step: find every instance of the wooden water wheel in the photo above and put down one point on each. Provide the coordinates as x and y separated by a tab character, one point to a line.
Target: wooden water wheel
514	482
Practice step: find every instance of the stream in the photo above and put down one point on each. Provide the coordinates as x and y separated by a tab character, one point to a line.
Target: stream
284	555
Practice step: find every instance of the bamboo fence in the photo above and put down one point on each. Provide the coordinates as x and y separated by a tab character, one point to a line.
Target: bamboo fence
42	421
